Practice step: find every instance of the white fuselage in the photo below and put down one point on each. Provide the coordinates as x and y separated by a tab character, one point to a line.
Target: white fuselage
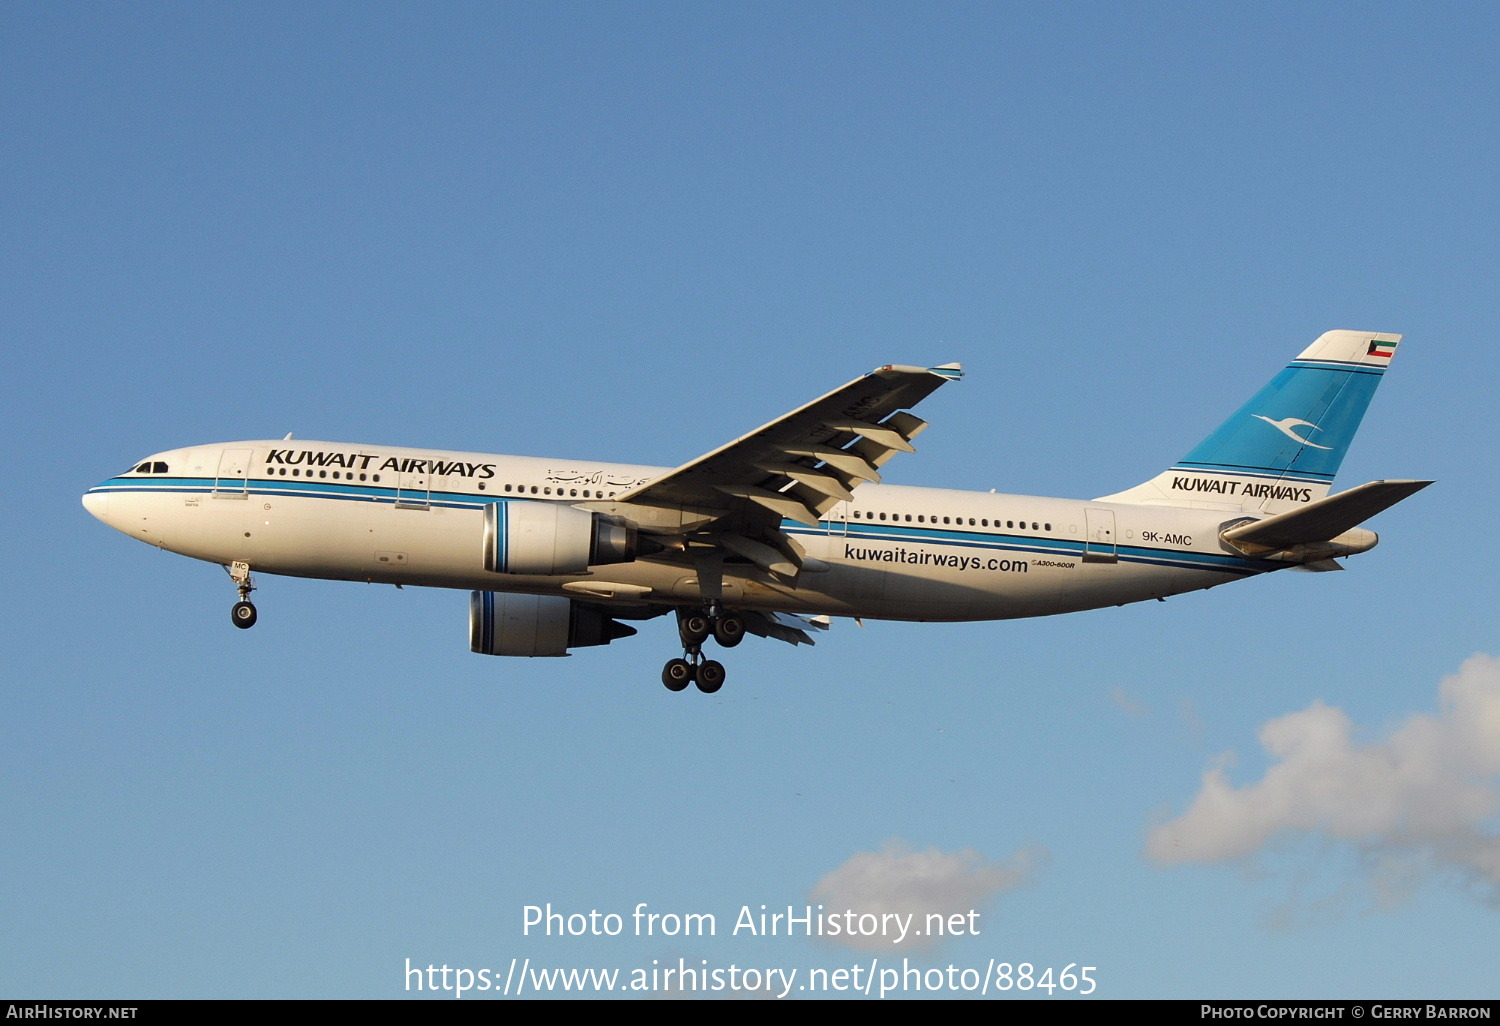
416	517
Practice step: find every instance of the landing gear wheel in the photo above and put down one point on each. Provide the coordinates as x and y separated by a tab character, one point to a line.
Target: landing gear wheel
710	676
677	674
729	631
695	629
243	615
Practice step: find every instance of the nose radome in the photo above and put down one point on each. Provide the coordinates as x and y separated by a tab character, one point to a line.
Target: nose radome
97	503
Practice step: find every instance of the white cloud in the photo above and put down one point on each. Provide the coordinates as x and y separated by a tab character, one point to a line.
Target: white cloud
1422	799
899	880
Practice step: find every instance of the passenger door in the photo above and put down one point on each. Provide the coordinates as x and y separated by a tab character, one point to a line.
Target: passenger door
233	480
1099	546
414	491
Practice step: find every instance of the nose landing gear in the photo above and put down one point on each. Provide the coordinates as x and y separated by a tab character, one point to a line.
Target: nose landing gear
243	614
696	628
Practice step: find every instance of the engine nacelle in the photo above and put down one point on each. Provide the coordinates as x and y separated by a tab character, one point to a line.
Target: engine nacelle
501	623
548	538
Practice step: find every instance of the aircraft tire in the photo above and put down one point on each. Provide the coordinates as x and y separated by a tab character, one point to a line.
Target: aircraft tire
710	676
677	674
243	614
695	629
729	631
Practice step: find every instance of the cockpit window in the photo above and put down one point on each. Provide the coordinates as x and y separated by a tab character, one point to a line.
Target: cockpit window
144	468
158	468
150	467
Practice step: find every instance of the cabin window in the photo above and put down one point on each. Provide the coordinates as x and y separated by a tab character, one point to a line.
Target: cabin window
1046	527
882	516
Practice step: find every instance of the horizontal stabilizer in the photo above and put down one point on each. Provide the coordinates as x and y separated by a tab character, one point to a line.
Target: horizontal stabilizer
1323	520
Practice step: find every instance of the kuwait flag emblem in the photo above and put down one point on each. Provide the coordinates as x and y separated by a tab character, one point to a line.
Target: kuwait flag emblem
1384	350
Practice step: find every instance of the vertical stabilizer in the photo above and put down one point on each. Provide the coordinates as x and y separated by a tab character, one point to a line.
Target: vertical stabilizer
1282	448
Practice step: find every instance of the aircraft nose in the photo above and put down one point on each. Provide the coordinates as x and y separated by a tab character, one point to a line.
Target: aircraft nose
97	503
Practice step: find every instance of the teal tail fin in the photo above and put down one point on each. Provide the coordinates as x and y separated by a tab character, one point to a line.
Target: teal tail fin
1283	447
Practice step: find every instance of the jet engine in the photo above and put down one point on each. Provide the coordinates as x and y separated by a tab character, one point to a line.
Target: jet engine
547	538
502	623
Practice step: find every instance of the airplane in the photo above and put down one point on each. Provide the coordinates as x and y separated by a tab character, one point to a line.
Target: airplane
778	531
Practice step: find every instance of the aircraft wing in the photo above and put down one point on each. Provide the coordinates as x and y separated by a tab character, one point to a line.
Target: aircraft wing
796	467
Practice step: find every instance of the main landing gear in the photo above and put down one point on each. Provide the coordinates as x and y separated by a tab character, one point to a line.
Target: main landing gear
243	614
696	628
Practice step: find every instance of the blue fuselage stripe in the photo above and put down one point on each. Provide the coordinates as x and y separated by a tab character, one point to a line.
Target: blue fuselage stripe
860	532
296	489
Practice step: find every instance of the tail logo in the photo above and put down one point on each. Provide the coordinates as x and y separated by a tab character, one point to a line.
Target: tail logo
1285	427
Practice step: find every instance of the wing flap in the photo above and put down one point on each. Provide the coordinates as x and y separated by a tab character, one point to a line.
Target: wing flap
786	627
779	503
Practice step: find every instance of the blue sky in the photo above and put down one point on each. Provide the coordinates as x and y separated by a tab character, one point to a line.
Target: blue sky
632	232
